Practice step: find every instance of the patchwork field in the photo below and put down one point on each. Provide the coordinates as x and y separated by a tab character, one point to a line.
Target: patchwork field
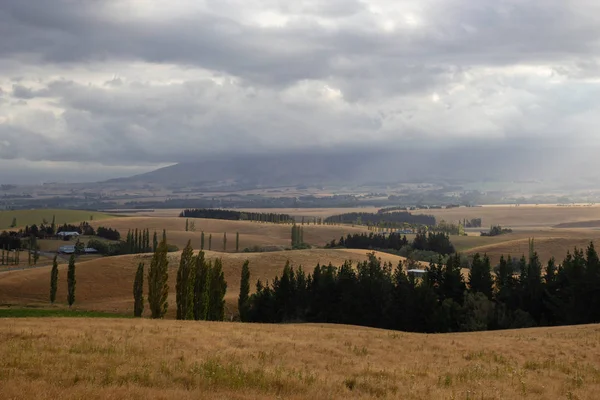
105	284
76	358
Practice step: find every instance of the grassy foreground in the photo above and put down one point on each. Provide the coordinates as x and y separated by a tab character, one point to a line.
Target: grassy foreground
140	359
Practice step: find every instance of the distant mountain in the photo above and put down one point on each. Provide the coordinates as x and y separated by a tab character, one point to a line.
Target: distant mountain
463	165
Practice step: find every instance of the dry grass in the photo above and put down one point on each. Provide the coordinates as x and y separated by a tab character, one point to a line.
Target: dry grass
105	284
251	233
140	359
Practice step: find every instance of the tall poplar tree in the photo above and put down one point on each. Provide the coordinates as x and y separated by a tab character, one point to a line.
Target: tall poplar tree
216	292
185	284
71	281
158	287
237	242
202	241
244	297
200	286
138	291
53	280
154	242
210	241
225	241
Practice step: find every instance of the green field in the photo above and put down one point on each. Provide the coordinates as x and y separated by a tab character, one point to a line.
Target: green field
30	217
40	312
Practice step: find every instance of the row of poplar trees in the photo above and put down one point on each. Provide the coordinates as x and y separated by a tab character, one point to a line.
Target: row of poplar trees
71	281
200	288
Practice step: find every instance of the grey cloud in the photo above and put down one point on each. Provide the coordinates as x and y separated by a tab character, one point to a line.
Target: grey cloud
460	73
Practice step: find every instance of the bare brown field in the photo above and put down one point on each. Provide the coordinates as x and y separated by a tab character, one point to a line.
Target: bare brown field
251	233
105	284
68	358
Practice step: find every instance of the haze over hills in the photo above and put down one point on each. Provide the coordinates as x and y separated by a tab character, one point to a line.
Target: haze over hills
536	168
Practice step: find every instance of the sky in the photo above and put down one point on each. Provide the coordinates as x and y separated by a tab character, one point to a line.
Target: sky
98	89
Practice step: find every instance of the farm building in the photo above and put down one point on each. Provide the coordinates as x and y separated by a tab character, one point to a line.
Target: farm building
71	250
67	235
417	273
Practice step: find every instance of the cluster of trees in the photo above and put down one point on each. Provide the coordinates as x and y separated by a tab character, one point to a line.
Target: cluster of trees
138	241
108	233
472	223
496	230
450	228
200	287
392	219
215	213
437	242
376	294
10	240
10	256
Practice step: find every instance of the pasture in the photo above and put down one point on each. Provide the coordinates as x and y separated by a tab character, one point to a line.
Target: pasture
78	358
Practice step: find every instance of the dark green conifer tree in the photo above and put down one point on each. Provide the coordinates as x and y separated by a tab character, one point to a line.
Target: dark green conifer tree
71	281
53	280
158	287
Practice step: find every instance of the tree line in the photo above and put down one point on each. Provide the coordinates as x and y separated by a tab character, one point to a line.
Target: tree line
388	219
378	294
214	213
437	242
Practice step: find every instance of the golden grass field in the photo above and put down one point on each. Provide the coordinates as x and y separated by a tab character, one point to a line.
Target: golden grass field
105	284
73	358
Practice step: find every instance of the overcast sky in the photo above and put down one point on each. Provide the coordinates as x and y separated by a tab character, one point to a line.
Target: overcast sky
94	89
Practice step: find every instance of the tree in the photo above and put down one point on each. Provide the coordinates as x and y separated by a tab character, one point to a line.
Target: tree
480	276
53	226
187	225
202	240
200	287
71	281
13	224
210	241
53	280
185	284
158	287
216	292
225	241
237	242
138	291
154	242
244	298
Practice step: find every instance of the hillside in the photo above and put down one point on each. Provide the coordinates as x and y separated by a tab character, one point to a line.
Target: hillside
105	284
140	359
